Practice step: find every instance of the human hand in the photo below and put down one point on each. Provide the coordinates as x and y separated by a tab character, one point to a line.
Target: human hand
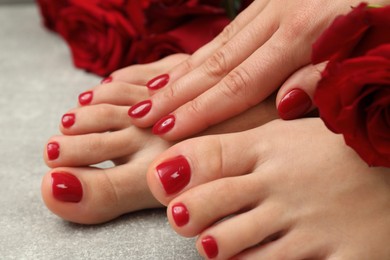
248	61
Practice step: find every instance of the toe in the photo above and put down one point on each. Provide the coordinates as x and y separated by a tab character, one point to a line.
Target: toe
91	195
200	160
94	119
82	150
207	204
115	93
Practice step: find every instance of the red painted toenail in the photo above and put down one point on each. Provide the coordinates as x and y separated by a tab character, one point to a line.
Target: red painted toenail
53	150
164	125
180	214
294	104
174	174
158	82
106	80
210	246
140	109
68	120
66	187
85	98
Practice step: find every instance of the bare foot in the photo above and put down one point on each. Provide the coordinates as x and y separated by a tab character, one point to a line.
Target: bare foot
99	130
285	190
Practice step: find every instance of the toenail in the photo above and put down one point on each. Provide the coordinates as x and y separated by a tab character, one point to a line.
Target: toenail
85	98
106	80
174	174
66	187
158	82
164	125
53	150
210	246
68	120
140	109
180	214
294	104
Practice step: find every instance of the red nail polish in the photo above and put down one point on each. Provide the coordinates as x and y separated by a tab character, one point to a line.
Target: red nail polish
164	125
174	174
158	82
140	109
85	98
53	150
106	80
180	214
210	246
68	120
66	187
294	104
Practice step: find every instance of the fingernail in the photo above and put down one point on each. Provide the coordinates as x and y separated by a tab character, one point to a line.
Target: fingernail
85	98
180	214
158	82
294	104
53	150
164	125
68	120
210	246
174	174
140	109
106	80
66	187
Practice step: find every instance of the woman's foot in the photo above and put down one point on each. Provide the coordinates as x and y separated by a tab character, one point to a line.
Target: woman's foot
286	190
99	130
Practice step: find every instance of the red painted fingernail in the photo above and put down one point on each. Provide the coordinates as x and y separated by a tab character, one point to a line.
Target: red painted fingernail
164	125
158	82
294	104
66	187
140	109
85	98
106	80
53	150
68	120
210	246
174	174
180	214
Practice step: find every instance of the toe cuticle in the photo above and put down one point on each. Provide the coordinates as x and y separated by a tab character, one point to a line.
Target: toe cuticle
85	98
174	174
68	120
180	214
66	187
53	150
210	246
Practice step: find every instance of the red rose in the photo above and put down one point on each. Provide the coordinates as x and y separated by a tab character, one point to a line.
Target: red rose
184	39
50	10
98	34
353	34
353	98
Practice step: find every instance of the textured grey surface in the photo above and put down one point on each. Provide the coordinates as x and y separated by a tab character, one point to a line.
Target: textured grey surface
37	85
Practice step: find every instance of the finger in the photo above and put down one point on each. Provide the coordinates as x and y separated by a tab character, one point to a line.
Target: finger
245	86
210	73
294	98
140	74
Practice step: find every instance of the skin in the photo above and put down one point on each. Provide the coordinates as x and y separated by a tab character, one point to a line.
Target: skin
249	60
302	195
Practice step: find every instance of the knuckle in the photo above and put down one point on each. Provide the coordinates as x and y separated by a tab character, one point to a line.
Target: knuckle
227	33
236	84
216	65
188	64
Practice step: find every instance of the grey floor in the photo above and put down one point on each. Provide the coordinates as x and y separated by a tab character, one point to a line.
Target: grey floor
38	83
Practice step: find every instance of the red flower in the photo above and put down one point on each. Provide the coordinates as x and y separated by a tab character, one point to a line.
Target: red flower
107	35
98	35
353	34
